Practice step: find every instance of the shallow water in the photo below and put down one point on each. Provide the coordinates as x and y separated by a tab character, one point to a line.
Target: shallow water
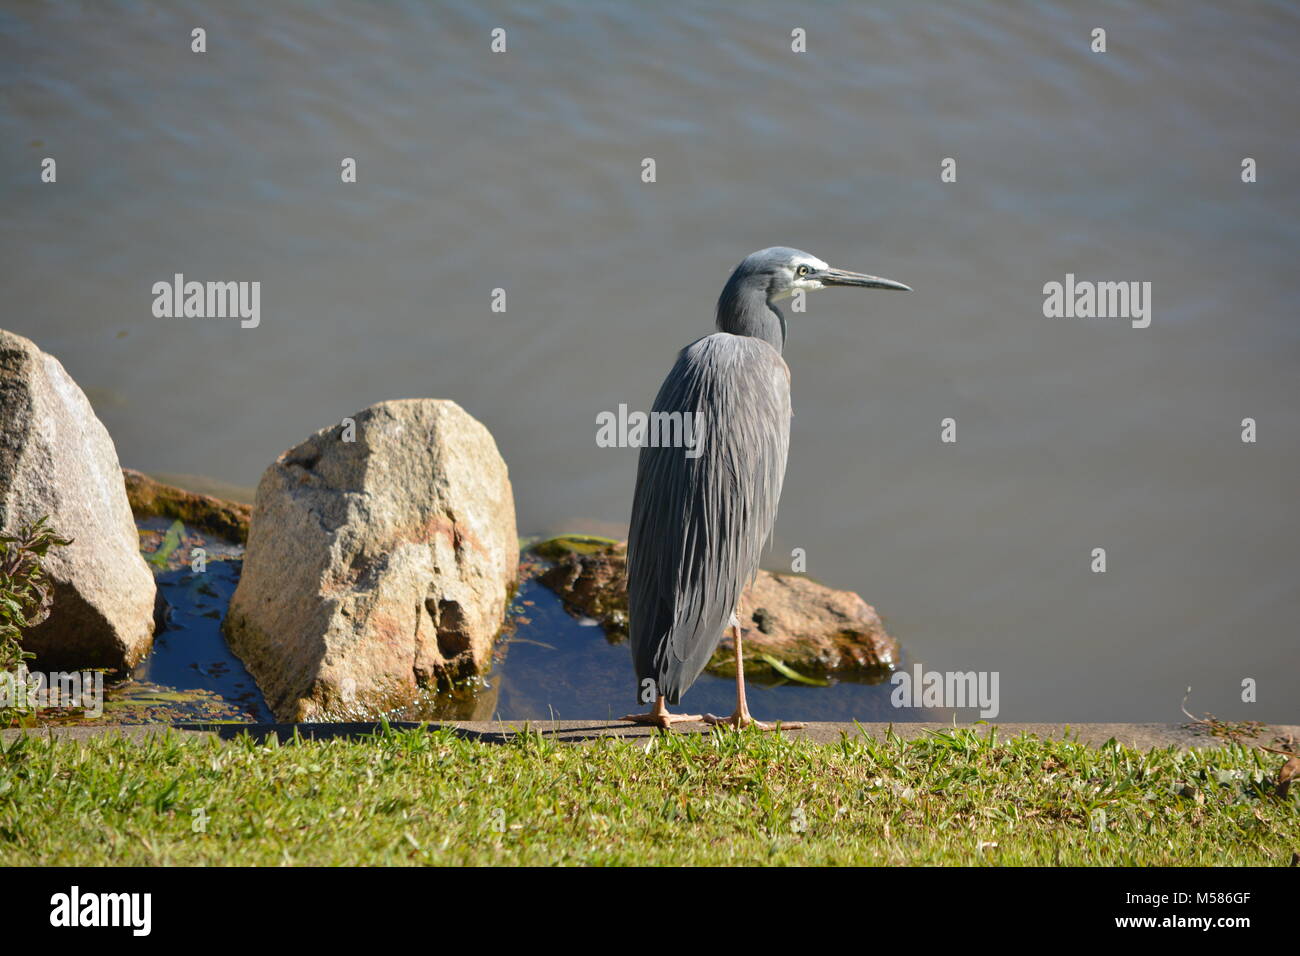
522	171
557	667
191	652
189	674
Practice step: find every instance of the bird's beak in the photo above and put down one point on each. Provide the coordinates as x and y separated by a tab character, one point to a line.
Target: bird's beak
830	277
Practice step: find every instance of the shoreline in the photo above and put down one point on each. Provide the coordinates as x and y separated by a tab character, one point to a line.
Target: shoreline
1138	736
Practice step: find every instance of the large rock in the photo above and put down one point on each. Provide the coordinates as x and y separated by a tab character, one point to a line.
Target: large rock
804	625
57	459
378	568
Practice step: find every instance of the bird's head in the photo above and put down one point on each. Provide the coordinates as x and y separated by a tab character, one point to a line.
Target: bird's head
770	275
780	270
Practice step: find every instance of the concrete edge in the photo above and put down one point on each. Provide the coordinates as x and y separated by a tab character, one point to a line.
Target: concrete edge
1137	736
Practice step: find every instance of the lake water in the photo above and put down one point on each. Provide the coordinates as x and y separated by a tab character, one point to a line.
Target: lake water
522	171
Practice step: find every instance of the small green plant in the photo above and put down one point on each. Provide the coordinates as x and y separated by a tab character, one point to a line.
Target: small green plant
25	592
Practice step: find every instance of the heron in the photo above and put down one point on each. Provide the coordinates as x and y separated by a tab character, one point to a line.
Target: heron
700	521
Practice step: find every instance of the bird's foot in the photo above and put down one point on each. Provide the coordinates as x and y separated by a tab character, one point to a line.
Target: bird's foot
743	719
661	719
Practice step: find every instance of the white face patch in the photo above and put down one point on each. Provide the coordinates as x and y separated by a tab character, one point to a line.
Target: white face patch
814	265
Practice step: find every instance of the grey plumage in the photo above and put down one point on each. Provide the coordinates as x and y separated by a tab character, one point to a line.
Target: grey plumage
699	524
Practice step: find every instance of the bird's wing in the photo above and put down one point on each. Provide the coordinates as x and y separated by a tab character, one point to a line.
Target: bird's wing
699	524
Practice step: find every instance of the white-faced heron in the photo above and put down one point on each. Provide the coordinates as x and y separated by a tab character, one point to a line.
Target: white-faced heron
700	520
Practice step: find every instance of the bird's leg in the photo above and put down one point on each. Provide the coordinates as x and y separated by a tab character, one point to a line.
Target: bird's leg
742	717
659	716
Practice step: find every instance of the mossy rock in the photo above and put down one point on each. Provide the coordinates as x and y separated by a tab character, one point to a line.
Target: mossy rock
794	628
153	499
592	582
561	546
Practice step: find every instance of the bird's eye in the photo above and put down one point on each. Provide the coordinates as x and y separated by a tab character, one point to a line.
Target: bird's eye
801	271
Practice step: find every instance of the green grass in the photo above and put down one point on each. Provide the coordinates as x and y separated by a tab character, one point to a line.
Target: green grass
413	797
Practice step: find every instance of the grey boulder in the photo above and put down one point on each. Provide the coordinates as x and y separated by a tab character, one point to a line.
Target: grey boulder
377	569
57	460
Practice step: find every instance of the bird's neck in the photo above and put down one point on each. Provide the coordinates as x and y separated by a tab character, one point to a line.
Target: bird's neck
750	312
